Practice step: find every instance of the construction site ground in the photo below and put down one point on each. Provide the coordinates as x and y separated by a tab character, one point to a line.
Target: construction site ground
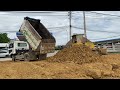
108	68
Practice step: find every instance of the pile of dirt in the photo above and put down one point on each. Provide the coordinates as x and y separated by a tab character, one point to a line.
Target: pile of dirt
77	53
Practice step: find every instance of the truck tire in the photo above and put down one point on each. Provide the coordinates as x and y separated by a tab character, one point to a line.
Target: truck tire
42	56
26	57
13	58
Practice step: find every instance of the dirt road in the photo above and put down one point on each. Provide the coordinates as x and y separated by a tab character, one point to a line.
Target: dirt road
109	68
10	59
5	59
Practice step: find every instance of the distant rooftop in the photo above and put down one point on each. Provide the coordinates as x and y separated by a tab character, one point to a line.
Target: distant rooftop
110	40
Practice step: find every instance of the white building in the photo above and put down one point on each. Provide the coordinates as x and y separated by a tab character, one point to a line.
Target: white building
112	45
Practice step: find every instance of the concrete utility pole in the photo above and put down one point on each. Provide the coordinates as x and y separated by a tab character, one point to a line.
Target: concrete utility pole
69	13
84	22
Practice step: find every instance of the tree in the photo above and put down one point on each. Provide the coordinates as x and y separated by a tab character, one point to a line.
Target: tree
4	38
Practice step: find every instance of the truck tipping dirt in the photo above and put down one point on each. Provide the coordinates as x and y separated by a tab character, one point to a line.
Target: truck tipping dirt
40	40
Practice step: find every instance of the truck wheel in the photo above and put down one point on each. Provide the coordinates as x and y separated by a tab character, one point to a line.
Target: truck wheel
26	57
42	56
13	58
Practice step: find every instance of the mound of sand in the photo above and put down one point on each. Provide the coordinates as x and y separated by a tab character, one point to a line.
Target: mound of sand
78	54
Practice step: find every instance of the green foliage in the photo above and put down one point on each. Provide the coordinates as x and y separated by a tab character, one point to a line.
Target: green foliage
4	38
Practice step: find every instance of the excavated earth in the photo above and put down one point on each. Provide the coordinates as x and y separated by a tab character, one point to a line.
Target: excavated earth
77	62
78	54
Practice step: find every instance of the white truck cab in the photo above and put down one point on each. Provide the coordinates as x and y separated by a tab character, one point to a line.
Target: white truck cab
16	47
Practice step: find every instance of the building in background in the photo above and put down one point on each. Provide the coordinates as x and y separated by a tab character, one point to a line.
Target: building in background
112	45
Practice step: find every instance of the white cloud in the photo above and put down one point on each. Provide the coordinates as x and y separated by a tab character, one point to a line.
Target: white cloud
11	22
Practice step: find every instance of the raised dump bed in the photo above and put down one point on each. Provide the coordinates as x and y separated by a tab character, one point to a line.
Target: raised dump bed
38	37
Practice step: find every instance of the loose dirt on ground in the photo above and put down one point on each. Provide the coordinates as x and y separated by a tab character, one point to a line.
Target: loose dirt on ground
78	62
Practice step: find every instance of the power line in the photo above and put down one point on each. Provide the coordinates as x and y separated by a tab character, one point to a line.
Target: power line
107	37
57	27
60	27
59	31
37	11
104	14
42	13
77	12
72	27
96	30
100	14
105	19
52	15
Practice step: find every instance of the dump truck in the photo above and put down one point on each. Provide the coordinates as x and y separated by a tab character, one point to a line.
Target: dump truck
40	40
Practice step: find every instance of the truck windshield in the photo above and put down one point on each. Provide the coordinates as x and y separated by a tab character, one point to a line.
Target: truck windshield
22	44
11	45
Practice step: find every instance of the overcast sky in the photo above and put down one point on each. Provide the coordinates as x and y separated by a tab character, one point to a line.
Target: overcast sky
10	23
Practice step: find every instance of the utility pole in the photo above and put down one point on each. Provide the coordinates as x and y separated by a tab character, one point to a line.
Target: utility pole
84	22
69	14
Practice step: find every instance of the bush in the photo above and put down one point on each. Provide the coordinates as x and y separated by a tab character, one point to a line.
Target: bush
4	38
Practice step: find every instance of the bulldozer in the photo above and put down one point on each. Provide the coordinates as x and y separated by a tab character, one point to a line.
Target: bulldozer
78	39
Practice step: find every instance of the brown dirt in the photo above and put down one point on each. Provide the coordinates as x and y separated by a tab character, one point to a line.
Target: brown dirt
40	69
84	66
78	54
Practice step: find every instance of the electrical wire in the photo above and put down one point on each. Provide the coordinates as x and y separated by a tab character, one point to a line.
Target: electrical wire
52	15
42	13
54	28
57	27
38	11
99	14
104	14
51	29
106	37
96	30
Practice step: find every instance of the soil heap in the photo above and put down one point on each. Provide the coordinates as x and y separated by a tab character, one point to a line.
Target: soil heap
76	53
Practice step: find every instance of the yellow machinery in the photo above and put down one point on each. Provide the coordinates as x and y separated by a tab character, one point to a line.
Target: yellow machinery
80	39
90	44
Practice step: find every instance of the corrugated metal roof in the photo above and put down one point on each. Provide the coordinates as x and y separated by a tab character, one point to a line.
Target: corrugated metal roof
111	40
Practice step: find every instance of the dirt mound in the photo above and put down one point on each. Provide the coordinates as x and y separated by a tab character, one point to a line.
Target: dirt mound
77	53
